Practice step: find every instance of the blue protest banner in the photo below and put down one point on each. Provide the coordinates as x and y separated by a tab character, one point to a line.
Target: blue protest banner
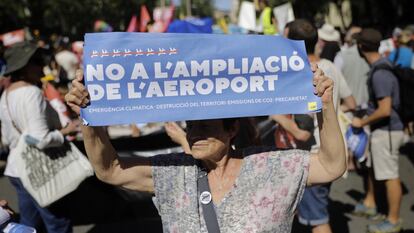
141	77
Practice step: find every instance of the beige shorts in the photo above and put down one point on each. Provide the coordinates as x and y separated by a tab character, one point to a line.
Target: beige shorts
384	161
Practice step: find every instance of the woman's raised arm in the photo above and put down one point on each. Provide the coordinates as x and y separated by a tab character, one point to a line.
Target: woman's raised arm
330	162
133	173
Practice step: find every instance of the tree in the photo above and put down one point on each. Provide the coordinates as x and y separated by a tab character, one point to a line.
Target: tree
67	17
73	18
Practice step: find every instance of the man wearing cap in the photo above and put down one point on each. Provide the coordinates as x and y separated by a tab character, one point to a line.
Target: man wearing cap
386	133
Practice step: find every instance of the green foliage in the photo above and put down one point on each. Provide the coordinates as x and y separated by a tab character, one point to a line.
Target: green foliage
68	17
75	17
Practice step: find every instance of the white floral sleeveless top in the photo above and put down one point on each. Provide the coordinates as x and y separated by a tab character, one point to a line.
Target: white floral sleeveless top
263	199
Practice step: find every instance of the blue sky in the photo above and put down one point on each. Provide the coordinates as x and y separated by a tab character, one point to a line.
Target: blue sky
219	4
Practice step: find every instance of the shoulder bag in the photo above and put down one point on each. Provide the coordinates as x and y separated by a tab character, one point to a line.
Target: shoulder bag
51	173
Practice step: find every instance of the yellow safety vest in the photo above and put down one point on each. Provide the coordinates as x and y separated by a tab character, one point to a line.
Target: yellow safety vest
268	26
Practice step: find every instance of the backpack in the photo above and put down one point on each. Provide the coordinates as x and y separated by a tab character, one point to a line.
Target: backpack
405	77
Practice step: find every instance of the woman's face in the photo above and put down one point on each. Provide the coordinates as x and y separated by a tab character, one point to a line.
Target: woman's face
208	139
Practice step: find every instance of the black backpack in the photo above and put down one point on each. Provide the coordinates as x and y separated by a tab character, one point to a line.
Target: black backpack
405	77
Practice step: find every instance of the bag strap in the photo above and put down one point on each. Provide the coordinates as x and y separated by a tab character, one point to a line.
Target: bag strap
8	112
206	200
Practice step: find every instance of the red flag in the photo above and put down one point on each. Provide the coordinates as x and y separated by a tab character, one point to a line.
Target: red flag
145	18
132	27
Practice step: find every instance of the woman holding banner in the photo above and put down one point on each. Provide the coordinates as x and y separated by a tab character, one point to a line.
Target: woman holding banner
218	189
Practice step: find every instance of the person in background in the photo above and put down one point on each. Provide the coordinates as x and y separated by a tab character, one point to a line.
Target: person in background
286	29
410	29
328	43
313	209
403	54
354	68
386	134
67	61
294	131
267	21
24	109
4	205
6	220
5	213
4	83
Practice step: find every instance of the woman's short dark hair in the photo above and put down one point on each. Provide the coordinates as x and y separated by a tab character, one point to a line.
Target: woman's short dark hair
330	49
302	29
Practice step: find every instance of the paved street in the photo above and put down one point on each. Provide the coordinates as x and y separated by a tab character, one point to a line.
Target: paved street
97	207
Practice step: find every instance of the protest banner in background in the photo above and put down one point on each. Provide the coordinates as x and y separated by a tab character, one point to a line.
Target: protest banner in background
145	77
284	14
247	16
13	37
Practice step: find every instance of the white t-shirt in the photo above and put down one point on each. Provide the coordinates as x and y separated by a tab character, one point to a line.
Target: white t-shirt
33	116
355	70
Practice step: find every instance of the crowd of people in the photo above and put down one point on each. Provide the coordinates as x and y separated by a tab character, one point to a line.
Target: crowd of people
363	86
252	189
